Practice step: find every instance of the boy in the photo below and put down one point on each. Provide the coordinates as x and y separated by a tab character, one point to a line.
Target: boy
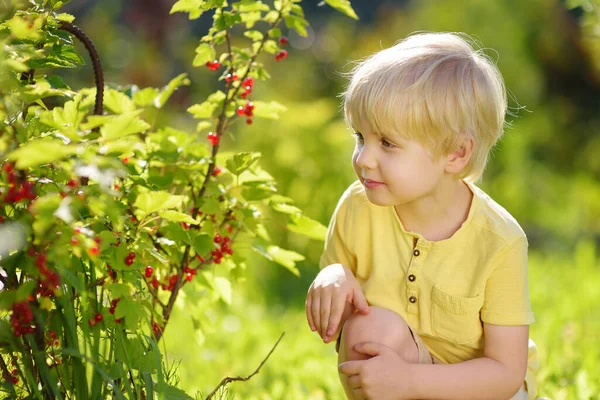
423	270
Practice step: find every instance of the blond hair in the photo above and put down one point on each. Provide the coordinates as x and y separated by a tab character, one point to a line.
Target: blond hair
434	88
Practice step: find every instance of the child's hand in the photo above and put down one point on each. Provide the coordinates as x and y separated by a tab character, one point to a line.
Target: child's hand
333	291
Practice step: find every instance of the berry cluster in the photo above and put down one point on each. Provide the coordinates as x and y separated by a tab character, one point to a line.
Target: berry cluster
16	193
283	53
231	77
111	272
213	65
113	305
218	254
21	319
189	273
52	338
95	320
130	258
47	286
247	110
213	138
247	85
216	171
13	377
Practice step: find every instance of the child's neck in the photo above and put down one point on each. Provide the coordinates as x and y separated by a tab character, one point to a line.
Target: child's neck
439	214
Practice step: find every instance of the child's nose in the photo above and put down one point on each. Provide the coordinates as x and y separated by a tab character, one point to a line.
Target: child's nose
366	159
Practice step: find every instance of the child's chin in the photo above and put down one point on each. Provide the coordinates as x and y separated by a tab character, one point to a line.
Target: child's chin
378	200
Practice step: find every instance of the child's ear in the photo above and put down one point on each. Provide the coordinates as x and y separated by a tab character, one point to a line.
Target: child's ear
458	159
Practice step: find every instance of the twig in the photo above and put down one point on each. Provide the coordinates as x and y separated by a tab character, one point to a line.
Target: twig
227	380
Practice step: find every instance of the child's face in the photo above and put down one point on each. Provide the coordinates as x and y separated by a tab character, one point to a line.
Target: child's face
403	168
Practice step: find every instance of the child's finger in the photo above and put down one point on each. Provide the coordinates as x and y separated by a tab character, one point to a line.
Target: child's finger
325	311
316	312
359	301
308	307
337	309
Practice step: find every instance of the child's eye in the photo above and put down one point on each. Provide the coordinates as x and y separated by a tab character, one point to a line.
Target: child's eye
387	144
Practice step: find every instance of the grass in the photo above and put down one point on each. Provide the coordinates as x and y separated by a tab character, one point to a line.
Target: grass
565	293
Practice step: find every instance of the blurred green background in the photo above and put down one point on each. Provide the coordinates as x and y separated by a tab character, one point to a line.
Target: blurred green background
545	171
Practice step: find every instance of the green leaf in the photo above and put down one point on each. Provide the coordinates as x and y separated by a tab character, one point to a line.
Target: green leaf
40	151
241	162
150	202
204	52
173	393
132	312
202	244
60	56
23	29
177	217
275	33
165	94
343	6
286	209
118	289
307	227
249	6
223	288
250	18
65	17
193	7
203	110
122	125
146	97
226	19
269	110
299	24
280	256
254	35
117	102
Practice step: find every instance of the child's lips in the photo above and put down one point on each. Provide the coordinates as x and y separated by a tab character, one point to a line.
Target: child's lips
371	184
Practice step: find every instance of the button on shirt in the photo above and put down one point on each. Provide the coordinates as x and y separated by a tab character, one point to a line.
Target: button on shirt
444	289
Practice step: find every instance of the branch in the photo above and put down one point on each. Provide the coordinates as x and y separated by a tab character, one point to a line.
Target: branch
227	380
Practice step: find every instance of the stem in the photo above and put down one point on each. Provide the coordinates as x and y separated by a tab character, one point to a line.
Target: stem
227	380
98	73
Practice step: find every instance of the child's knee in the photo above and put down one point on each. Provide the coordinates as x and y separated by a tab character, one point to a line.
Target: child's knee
381	325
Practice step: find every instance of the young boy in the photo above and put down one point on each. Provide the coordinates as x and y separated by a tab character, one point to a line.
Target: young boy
425	273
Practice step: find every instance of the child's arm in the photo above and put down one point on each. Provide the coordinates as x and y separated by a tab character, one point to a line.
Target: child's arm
497	375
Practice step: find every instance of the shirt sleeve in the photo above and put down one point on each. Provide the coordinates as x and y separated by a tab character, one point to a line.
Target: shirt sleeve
338	234
506	300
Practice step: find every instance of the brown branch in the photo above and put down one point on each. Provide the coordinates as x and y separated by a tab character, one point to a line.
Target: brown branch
98	73
227	380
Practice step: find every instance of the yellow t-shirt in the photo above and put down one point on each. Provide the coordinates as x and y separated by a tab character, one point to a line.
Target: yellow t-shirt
446	289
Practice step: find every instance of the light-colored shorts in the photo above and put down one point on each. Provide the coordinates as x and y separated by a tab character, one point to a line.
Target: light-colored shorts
425	357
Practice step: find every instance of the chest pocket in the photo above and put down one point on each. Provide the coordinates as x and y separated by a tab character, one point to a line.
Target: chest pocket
455	318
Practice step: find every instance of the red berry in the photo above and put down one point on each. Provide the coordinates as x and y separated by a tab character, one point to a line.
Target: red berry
185	225
245	94
97	240
149	271
128	261
213	138
248	82
94	250
283	40
217	238
74	241
213	65
216	171
131	254
249	121
98	317
72	183
125	160
241	111
7	167
226	240
281	55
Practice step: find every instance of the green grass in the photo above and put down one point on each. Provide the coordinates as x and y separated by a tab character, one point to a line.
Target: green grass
565	294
